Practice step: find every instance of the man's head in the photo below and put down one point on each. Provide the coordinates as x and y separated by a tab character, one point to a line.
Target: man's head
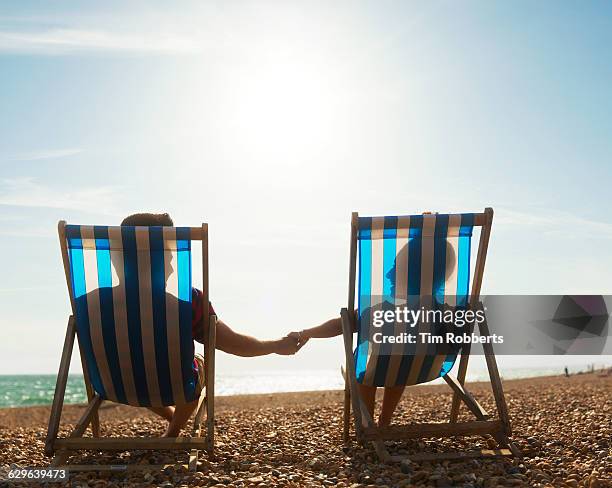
148	220
152	220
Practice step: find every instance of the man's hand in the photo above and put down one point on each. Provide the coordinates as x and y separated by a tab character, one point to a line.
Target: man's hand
287	346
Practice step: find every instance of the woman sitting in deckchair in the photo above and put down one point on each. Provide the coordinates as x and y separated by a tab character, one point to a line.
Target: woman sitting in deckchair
333	328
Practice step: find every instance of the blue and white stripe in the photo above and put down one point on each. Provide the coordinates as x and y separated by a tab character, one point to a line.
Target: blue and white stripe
132	293
419	260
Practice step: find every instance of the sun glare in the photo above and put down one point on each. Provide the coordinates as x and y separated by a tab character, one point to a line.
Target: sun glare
283	108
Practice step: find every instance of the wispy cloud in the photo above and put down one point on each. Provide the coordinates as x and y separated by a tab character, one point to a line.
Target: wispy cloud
44	154
554	222
20	289
74	40
26	192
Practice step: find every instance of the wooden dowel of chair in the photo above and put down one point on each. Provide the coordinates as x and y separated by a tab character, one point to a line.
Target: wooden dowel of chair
210	385
350	308
360	411
81	426
346	414
60	387
496	384
90	411
130	443
467	398
120	468
347	333
455	455
417	431
95	420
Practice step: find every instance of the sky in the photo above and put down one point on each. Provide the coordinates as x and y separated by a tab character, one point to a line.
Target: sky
272	121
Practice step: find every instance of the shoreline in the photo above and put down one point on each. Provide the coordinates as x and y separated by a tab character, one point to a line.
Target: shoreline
427	386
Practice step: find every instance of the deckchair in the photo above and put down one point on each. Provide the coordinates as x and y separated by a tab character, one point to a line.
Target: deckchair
131	299
421	261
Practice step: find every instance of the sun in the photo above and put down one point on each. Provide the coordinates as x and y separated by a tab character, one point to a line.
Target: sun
283	108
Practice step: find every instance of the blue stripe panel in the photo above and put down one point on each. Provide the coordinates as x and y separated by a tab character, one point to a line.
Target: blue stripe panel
158	285
132	298
439	263
388	281
77	268
107	315
463	259
414	289
365	289
185	296
414	257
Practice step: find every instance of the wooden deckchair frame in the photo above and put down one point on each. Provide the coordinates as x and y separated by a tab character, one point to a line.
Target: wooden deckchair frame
364	425
61	448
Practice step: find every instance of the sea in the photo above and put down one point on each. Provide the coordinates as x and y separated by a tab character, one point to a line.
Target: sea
25	390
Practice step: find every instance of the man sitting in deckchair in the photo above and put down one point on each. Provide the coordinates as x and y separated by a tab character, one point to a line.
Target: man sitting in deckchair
227	340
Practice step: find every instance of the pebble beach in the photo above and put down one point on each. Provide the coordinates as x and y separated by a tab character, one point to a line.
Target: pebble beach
562	425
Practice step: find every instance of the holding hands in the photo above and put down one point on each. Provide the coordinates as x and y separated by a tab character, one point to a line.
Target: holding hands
291	343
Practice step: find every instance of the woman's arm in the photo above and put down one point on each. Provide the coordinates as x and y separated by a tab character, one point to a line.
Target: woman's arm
330	328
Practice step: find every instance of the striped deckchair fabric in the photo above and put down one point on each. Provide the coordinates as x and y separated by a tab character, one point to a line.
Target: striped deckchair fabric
415	261
132	289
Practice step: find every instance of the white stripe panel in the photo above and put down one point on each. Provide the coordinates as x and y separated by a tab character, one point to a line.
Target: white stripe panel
452	250
120	314
92	289
378	225
146	314
427	259
172	313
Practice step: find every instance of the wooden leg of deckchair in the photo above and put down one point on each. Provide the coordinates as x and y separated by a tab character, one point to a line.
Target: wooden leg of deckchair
467	398
80	428
378	443
95	420
498	390
504	442
210	384
461	374
347	332
197	430
360	411
60	387
347	411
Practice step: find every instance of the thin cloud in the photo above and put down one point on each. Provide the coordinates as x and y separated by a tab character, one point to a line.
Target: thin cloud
74	40
26	192
551	221
45	154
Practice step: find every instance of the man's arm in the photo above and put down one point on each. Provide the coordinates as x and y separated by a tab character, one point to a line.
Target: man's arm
243	345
